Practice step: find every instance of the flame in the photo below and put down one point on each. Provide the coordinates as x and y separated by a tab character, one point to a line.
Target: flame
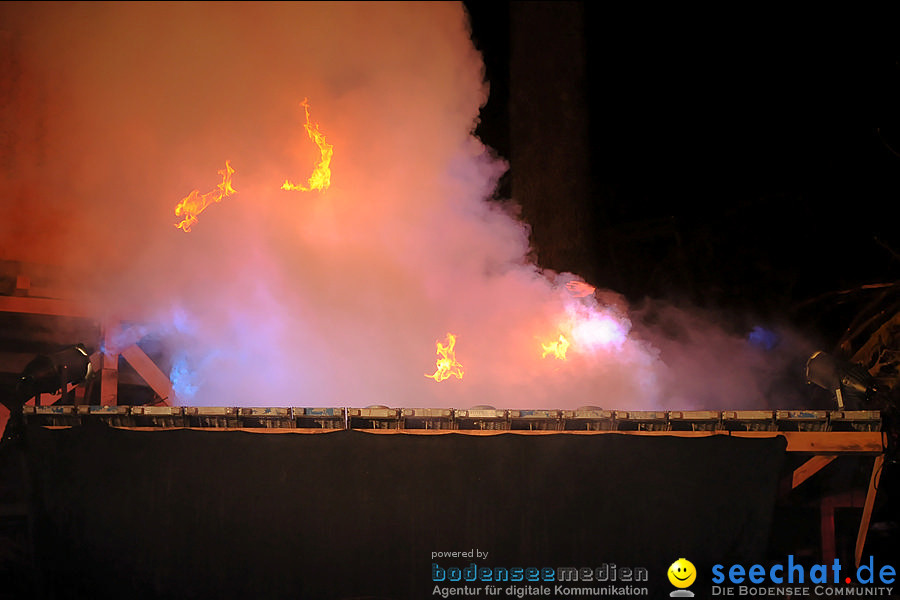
557	348
588	330
580	289
446	364
321	176
195	203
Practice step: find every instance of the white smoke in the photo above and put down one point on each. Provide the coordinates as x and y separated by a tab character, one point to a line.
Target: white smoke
310	299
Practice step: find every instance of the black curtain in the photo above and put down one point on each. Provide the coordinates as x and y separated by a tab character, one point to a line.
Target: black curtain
196	514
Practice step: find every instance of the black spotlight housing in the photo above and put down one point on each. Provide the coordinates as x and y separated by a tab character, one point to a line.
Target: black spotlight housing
48	374
45	374
851	385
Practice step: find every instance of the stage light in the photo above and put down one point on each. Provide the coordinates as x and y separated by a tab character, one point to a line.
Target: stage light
328	417
46	374
374	417
426	418
851	384
482	417
547	420
642	420
588	418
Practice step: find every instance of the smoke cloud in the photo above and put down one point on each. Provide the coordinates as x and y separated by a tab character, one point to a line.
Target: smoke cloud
116	111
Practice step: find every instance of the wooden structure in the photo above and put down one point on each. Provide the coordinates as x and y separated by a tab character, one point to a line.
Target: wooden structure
36	309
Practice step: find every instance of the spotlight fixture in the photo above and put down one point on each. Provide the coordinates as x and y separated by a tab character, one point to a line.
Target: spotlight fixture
850	383
46	374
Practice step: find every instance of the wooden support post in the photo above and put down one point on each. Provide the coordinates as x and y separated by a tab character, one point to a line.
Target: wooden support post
826	531
867	507
148	370
109	371
51	399
23	284
42	306
827	506
810	468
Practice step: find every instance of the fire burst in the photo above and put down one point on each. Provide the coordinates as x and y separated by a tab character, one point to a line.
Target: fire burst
195	202
321	176
446	364
557	348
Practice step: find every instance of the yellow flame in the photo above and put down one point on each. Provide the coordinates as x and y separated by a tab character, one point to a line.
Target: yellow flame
321	176
446	364
557	348
195	202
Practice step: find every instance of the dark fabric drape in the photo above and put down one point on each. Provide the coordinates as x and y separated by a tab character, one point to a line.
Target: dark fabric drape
194	514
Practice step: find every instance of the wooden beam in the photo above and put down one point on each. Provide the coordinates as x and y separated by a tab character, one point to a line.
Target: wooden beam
109	370
867	507
825	442
109	381
23	284
43	306
148	370
810	468
50	399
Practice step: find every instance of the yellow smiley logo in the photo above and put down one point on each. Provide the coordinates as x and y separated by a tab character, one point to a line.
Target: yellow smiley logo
682	573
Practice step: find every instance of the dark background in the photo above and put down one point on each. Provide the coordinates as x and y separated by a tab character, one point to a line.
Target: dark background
715	162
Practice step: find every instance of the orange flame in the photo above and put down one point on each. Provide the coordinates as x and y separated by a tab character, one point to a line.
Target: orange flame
446	364
580	289
557	348
321	176
195	202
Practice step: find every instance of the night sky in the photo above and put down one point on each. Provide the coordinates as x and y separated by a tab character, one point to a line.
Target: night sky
727	171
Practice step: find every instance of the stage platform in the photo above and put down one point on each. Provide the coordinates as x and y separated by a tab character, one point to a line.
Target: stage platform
343	502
